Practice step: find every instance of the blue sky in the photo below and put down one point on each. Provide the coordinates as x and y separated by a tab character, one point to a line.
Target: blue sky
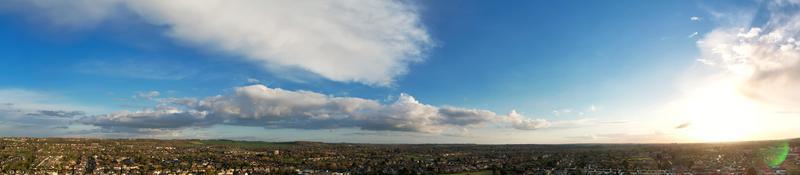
387	72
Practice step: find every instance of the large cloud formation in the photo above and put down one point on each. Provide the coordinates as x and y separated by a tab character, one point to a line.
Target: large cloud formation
369	42
258	105
766	58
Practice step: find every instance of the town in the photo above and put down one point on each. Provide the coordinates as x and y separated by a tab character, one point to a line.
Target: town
23	155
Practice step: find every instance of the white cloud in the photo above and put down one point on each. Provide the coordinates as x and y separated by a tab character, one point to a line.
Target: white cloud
147	95
520	122
560	112
368	42
694	18
573	112
593	108
253	81
706	62
693	35
766	59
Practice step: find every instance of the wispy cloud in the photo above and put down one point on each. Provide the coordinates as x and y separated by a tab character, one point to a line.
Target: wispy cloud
593	108
579	112
560	112
522	123
150	95
253	81
693	35
57	113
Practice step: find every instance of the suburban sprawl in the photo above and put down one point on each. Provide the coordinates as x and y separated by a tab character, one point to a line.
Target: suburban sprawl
150	156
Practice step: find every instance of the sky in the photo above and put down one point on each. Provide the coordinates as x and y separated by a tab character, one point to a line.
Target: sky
487	72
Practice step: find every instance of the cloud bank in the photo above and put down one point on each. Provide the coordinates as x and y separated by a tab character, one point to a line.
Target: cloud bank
369	42
261	106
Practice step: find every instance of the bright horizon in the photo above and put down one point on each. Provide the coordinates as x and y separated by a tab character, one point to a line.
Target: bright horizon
402	71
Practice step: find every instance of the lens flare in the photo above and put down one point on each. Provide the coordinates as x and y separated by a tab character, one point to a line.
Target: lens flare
776	154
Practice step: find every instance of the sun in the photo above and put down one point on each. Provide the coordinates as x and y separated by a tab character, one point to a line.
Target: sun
719	113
